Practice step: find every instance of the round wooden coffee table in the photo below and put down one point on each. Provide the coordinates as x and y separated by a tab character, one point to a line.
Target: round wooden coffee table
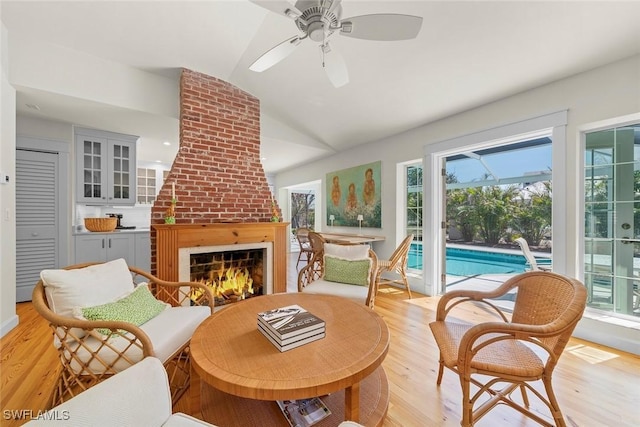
248	373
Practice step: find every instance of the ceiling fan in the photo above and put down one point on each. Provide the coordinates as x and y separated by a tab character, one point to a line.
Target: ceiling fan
319	19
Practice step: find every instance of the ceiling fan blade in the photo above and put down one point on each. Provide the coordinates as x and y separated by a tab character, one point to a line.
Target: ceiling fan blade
335	67
382	27
275	54
281	7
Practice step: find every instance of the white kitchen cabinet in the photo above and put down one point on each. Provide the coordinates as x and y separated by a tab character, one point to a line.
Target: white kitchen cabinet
105	168
143	251
101	247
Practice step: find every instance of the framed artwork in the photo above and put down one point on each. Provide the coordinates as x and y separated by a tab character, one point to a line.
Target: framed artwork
353	192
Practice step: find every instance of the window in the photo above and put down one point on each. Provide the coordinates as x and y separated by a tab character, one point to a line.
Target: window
413	178
146	185
612	219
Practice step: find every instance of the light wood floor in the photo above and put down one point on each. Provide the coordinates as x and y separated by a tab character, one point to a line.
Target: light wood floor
596	386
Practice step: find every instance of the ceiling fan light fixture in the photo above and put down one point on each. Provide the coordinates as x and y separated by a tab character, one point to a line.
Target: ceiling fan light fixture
319	19
316	31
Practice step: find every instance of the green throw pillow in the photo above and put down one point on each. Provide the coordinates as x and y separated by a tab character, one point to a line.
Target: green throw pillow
138	307
353	272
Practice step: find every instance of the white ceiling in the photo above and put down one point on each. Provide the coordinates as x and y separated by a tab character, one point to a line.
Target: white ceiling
467	54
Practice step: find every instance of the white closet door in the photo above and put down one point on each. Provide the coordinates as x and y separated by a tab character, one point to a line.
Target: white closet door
36	218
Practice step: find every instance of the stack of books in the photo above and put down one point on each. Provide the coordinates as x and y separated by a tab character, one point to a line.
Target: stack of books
290	327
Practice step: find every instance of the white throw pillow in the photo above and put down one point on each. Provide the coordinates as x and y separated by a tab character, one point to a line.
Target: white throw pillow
86	287
348	252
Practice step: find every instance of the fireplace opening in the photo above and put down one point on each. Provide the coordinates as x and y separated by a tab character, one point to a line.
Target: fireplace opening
231	275
232	272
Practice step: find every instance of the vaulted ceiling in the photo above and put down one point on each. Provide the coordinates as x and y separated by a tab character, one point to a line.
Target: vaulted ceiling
467	53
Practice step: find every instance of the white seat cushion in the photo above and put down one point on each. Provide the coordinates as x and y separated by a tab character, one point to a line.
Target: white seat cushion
323	287
173	328
168	331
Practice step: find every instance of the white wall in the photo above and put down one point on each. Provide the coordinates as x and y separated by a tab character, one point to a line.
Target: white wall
8	318
44	129
59	70
607	92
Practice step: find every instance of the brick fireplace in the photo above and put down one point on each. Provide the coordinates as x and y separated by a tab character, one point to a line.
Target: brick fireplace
221	191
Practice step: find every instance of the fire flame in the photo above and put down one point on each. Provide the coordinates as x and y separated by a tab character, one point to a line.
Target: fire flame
234	281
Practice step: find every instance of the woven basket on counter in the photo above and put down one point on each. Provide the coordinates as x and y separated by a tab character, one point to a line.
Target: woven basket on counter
100	224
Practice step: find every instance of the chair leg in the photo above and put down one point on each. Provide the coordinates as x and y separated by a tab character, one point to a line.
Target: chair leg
525	397
467	406
440	371
406	282
553	403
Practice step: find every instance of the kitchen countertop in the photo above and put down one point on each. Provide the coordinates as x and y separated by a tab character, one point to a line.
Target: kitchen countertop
135	230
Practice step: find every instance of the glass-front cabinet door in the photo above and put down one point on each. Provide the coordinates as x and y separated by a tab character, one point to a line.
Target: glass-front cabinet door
91	169
105	168
612	219
121	186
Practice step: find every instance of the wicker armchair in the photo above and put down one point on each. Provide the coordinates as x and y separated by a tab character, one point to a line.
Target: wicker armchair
317	243
302	235
513	353
396	263
313	279
91	351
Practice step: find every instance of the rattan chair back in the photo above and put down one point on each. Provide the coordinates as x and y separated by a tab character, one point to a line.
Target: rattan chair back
397	263
302	236
317	246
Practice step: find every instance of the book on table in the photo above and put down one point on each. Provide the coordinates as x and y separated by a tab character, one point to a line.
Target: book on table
290	321
293	342
304	412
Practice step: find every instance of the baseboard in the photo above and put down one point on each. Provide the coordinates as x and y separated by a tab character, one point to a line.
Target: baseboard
610	331
8	325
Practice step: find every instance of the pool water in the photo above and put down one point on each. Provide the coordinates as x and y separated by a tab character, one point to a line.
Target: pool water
469	262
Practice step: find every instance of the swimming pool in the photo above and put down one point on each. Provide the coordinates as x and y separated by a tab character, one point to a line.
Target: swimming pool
470	262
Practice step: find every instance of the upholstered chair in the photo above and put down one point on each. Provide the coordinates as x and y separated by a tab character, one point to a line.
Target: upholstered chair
348	271
105	320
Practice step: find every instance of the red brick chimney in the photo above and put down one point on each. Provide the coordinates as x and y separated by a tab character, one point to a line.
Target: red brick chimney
217	172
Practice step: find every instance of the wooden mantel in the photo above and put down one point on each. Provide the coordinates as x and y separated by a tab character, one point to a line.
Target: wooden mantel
172	237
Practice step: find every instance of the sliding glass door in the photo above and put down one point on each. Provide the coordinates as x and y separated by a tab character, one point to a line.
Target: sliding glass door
612	219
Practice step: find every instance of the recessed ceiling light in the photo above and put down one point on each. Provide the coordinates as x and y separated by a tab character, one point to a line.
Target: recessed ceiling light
33	106
158	161
166	143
